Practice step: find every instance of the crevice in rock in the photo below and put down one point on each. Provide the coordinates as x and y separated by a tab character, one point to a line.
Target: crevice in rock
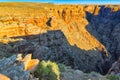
48	23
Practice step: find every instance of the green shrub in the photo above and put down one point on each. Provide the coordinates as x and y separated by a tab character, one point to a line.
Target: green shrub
47	71
113	77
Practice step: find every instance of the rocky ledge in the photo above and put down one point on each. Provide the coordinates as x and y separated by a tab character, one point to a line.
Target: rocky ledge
17	68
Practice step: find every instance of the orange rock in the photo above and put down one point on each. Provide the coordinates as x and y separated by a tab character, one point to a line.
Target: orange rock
30	64
4	77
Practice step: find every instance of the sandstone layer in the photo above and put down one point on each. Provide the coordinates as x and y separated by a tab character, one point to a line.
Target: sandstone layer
21	19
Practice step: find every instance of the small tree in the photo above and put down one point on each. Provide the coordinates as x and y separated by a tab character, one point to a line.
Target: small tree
47	71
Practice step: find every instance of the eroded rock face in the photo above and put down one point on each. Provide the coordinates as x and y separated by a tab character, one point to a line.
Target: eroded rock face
70	19
17	68
12	70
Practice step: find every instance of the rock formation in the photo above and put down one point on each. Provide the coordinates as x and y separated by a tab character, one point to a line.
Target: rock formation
16	67
71	19
76	35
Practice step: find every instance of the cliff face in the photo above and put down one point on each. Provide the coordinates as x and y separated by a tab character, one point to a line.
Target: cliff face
22	20
89	29
106	28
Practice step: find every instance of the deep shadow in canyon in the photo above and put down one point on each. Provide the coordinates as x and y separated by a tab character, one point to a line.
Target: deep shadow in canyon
54	46
106	28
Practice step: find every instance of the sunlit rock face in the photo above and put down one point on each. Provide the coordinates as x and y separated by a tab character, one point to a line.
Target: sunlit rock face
26	19
87	30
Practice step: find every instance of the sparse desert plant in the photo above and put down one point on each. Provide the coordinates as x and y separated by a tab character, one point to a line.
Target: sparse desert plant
47	70
112	77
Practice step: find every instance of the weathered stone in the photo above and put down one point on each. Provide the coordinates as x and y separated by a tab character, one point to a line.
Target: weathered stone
17	68
3	77
30	64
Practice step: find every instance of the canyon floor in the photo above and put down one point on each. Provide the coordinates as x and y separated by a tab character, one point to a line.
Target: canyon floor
85	38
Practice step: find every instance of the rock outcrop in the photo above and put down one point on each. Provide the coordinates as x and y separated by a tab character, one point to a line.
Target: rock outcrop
17	68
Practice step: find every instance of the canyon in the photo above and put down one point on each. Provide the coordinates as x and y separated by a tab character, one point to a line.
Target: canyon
85	37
